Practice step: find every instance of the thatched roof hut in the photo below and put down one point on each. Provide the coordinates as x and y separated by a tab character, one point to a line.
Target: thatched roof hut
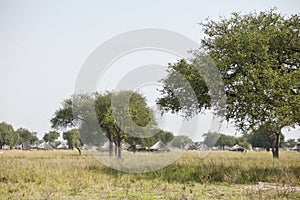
190	147
45	146
25	146
159	146
62	146
237	148
125	146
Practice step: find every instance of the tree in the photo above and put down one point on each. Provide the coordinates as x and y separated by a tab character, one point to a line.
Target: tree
77	112
26	136
226	140
262	139
113	115
63	117
7	135
126	115
258	56
51	136
157	134
72	138
181	140
210	139
291	143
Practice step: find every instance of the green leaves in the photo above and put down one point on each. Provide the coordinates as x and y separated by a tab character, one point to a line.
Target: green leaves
51	136
184	90
7	135
258	56
26	136
72	137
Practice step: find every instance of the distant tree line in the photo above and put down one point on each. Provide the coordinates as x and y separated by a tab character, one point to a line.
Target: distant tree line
254	139
10	137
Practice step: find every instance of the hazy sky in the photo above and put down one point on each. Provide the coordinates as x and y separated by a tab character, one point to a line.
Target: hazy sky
43	44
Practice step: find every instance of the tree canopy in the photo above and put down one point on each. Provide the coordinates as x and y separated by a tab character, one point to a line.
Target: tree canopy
258	56
26	136
72	137
114	116
51	136
7	135
181	140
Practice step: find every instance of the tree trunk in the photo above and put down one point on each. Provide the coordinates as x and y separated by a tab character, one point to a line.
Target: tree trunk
120	152
116	150
78	150
275	146
110	148
119	149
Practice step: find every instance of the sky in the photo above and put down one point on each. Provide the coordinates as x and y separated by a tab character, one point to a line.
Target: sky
44	44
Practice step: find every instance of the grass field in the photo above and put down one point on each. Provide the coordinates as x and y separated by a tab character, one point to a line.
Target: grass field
220	175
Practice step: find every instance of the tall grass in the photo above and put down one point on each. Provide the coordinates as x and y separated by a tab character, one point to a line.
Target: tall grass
220	175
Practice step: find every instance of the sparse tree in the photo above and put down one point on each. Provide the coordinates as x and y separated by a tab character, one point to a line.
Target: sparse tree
181	140
51	136
72	138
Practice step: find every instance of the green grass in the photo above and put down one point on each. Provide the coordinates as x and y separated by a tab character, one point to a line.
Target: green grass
220	175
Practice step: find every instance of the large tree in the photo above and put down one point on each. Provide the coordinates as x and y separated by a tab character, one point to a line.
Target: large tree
127	115
263	139
26	136
116	116
7	135
258	56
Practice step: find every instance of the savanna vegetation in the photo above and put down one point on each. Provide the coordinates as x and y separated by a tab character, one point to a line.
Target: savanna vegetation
219	175
254	84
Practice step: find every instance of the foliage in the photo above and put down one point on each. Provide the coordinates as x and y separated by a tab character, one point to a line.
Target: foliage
7	135
158	134
258	56
116	117
181	140
127	114
182	83
51	136
259	138
72	137
63	117
210	139
26	136
226	140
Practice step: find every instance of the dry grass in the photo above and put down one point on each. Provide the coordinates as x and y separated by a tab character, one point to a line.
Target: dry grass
220	175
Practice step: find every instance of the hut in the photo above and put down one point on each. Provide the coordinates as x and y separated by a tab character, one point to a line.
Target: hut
62	146
190	147
125	146
237	148
44	146
159	147
296	147
25	146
